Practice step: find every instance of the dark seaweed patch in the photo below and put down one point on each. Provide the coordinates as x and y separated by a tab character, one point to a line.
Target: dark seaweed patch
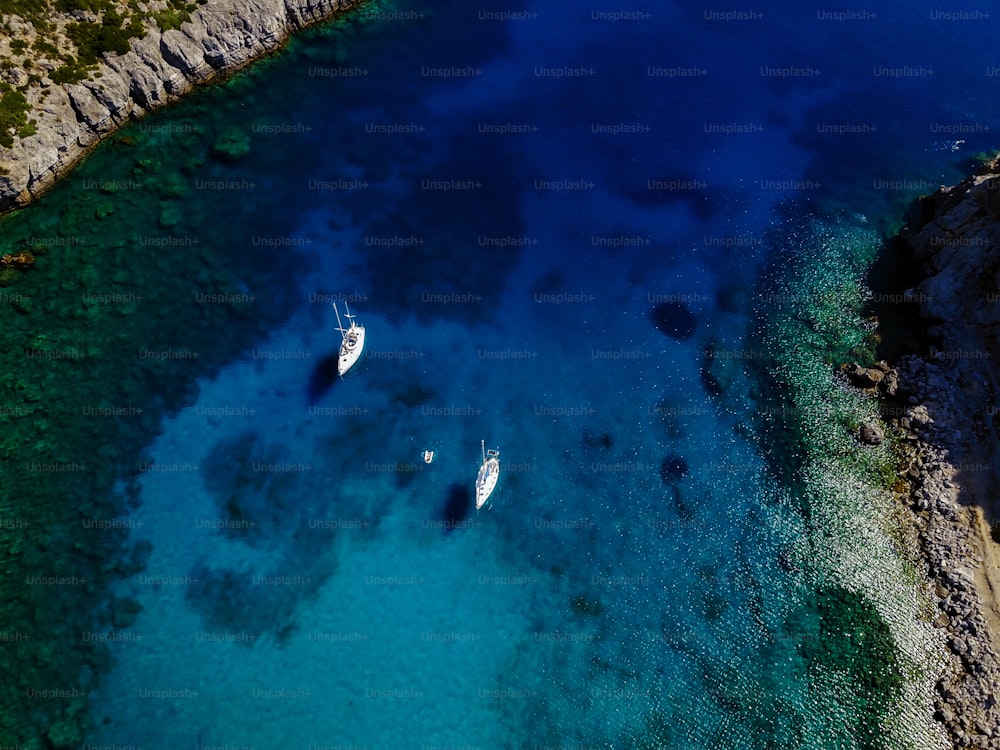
673	469
674	319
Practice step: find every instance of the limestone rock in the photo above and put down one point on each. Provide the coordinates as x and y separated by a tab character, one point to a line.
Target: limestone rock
89	110
950	414
863	377
890	384
183	53
222	36
918	415
112	92
150	53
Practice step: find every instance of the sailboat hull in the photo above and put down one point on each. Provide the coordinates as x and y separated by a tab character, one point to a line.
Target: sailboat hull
351	348
352	341
486	482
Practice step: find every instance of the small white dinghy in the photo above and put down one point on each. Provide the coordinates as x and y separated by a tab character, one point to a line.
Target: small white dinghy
352	341
489	473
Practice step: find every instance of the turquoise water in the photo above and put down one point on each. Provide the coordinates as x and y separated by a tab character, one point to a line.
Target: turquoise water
627	248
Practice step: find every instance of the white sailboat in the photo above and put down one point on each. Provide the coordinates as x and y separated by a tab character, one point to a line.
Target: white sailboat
489	473
352	341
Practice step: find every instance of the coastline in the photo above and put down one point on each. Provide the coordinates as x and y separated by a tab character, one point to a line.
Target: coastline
947	531
944	416
222	37
821	429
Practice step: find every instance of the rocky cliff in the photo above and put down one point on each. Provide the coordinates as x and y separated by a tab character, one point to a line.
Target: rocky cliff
945	413
954	249
222	36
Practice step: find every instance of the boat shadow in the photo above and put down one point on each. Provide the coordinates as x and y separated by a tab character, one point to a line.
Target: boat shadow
323	378
457	507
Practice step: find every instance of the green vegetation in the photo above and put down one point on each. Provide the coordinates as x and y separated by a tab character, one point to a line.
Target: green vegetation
94	39
74	34
95	6
43	47
171	18
25	8
76	43
71	72
13	114
176	13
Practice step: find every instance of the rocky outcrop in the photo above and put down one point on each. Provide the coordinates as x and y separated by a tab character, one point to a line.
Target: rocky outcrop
222	36
945	412
956	550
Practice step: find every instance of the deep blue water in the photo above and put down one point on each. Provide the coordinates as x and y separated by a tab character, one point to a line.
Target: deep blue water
504	194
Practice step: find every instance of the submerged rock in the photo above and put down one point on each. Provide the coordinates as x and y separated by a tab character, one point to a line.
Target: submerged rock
871	434
8	276
124	611
232	145
138	559
20	261
64	733
674	319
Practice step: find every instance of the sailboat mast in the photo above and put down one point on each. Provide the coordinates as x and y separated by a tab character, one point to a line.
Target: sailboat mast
340	326
483	446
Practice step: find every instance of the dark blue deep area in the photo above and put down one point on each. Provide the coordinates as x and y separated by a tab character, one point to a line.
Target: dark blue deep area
544	213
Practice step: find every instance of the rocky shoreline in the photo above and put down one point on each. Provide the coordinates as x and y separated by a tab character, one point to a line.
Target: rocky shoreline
941	404
951	538
221	37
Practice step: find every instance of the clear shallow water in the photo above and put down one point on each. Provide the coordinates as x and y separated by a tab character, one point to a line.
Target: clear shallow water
673	560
